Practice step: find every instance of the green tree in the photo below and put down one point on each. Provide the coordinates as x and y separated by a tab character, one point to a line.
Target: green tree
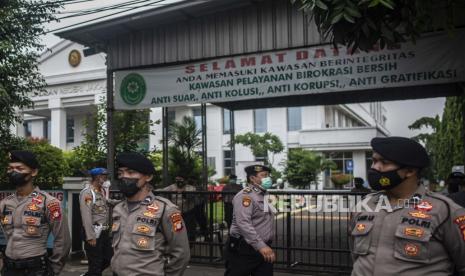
52	164
444	142
364	23
21	25
430	140
184	138
132	130
261	145
303	167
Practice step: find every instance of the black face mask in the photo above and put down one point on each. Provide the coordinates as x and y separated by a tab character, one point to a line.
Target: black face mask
180	184
383	180
18	179
128	186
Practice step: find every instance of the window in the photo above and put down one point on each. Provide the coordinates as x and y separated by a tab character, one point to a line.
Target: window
260	120
369	159
70	130
198	118
47	129
227	162
171	116
27	129
226	121
261	158
294	118
211	163
343	160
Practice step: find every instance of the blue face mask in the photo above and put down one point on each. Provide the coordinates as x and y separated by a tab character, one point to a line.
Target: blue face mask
266	183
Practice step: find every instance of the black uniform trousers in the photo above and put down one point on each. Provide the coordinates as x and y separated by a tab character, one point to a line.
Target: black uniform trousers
244	260
36	266
99	256
228	213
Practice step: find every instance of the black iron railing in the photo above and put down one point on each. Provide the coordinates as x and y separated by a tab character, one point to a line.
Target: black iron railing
310	228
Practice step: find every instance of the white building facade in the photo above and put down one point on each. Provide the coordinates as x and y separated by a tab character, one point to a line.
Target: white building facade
77	84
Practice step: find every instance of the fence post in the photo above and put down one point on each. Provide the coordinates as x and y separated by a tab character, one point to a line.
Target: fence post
288	231
210	234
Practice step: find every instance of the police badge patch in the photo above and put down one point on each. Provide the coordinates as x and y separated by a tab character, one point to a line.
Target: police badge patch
54	210
176	221
246	201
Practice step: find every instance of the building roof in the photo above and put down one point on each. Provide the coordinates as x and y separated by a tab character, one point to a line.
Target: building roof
96	34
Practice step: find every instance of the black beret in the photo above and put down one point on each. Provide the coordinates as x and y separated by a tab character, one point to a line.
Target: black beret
24	156
402	151
135	161
256	169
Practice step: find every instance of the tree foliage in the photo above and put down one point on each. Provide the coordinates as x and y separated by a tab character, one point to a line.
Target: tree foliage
20	46
184	138
363	23
263	145
304	166
445	143
52	164
132	129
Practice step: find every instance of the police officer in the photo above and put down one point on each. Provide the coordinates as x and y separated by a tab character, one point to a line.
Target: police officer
149	235
248	249
95	218
404	229
186	202
27	218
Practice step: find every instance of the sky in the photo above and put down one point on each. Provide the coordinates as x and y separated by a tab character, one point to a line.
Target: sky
399	114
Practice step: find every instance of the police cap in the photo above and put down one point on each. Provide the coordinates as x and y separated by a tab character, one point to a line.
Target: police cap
135	161
254	169
402	151
456	175
98	171
26	157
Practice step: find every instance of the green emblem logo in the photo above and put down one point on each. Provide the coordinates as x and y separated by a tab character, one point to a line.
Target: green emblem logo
133	89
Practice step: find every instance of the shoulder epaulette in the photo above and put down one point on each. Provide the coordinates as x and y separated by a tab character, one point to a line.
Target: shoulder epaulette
247	190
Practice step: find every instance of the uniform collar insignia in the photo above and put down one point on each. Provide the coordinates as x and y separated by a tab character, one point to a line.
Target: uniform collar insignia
147	200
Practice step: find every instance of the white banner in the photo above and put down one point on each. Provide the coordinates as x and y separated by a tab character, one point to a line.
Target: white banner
434	59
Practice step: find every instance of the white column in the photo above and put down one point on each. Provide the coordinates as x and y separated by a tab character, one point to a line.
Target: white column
277	125
58	122
360	169
156	114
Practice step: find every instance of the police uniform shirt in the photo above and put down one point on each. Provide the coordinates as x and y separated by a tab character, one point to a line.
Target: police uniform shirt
150	239
27	223
425	236
253	218
94	210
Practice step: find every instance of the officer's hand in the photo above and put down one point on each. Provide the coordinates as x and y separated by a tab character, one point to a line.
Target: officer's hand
92	243
268	254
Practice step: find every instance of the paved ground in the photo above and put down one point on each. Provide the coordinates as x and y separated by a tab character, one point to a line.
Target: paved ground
74	268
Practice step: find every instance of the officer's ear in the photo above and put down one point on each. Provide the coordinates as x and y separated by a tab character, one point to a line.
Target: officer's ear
34	172
409	172
148	178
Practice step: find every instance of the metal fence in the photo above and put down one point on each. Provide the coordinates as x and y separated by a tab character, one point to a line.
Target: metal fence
310	226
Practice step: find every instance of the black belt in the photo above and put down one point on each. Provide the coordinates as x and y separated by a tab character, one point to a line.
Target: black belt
241	239
28	263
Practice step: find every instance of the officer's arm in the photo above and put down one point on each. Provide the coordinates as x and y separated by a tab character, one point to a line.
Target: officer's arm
243	209
454	238
60	231
85	204
178	251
